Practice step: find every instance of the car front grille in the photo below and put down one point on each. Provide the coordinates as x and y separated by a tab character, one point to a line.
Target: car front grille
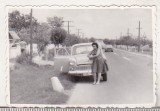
83	67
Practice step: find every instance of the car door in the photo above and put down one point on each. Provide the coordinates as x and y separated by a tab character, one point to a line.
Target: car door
61	59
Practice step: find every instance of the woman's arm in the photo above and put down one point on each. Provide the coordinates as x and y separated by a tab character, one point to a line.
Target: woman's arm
97	54
89	55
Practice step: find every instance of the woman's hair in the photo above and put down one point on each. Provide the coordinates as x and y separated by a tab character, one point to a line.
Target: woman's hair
94	43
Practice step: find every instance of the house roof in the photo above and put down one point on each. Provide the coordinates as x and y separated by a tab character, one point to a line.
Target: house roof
13	35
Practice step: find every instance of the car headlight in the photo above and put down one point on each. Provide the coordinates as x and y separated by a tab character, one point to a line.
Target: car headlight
71	69
72	63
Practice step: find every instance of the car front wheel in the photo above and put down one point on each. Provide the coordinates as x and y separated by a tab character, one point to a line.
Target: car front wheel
75	78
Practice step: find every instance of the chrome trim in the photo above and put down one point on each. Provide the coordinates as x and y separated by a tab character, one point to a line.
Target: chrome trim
80	73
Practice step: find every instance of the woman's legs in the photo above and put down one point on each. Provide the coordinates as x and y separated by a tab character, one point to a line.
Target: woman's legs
100	65
94	78
99	78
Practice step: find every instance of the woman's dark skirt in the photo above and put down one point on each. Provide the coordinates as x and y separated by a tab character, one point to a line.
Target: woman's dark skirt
99	65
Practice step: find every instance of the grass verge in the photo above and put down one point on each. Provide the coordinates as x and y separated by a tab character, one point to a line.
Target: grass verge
30	84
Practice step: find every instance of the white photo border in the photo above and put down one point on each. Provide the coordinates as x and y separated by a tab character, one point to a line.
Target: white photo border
154	17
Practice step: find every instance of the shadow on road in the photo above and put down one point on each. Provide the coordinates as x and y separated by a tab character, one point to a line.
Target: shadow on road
82	79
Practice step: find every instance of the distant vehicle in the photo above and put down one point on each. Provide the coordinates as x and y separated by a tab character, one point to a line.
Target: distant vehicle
108	48
78	62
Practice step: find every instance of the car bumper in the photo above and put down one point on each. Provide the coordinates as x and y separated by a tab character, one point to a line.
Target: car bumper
80	73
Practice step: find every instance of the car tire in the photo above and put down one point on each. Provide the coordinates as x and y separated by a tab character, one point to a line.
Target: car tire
104	77
75	78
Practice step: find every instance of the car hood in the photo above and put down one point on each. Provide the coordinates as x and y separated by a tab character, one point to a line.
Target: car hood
82	59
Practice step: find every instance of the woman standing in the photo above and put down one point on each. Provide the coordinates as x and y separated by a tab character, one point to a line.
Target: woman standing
98	62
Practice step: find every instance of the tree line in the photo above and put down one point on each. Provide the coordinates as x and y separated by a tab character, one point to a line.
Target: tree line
51	31
129	41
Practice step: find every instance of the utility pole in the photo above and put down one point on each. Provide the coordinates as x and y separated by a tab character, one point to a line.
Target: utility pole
144	38
115	42
139	34
128	32
83	35
68	25
78	31
36	28
31	29
121	35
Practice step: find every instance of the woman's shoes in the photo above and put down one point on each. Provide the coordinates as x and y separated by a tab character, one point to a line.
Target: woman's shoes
94	83
97	82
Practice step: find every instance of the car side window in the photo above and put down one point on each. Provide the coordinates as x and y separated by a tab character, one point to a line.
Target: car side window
62	52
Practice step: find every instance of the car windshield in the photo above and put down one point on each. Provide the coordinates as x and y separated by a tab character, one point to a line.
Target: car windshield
82	49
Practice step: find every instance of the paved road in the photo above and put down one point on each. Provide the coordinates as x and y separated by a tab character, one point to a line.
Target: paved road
130	80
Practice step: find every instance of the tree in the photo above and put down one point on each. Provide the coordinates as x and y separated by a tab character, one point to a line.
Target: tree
43	32
92	39
55	21
58	35
19	21
24	34
42	35
15	20
109	41
74	39
106	41
84	40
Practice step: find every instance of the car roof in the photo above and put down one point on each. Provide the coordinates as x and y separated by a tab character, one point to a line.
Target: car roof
109	45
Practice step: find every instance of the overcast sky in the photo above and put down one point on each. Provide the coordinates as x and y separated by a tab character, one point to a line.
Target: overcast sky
99	23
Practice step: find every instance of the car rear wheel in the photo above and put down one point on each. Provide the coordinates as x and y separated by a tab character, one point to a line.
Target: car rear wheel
104	77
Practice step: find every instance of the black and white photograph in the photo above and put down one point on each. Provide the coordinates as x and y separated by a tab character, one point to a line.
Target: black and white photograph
81	56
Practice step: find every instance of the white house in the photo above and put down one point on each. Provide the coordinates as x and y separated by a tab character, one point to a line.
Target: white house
14	40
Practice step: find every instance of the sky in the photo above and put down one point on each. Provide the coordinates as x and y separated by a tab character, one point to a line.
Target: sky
99	23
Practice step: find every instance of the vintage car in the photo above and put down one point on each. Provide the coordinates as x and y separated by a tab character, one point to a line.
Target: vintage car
78	62
108	48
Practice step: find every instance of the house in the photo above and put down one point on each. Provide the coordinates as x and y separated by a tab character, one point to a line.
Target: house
14	40
13	37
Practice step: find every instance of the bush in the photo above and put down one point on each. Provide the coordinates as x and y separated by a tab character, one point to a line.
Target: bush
24	58
51	54
48	55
